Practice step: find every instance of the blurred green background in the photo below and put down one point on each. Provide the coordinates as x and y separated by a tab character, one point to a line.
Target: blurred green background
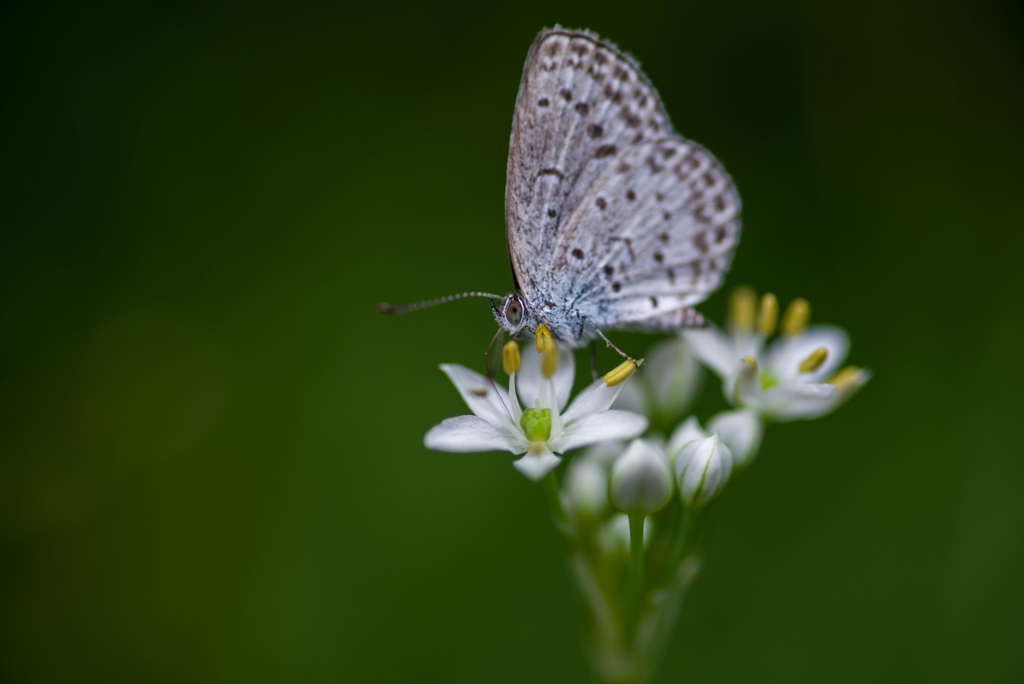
211	461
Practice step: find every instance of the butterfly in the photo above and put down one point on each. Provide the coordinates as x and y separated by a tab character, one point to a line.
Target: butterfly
613	221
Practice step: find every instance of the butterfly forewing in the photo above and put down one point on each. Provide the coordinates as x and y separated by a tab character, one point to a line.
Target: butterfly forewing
581	102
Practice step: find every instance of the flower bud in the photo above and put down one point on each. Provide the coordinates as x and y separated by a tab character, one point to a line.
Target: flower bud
586	489
689	431
702	469
641	481
741	431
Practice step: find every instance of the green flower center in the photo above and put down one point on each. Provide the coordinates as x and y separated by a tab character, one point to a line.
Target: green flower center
767	380
536	423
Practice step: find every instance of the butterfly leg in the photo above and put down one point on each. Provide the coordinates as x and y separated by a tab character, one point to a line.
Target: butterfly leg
593	359
610	343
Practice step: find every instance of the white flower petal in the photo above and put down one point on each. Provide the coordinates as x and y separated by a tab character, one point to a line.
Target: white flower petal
712	348
528	379
689	431
586	488
536	466
468	434
597	397
793	402
783	357
741	431
632	396
483	397
598	427
673	375
604	453
748	390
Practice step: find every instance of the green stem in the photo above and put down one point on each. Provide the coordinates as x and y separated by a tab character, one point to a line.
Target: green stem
636	577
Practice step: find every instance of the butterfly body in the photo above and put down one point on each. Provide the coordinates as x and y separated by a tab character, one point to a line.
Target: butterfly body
613	221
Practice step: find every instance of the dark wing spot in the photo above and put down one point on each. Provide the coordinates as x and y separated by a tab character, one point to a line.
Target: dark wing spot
552	213
617	97
654	165
671	276
720	203
601	204
668	152
595	130
543	102
601	57
709	180
665	215
566	94
551	172
580	49
550	305
637	138
578	253
554	48
624	168
616	286
659	257
632	120
630	195
701	243
605	151
583	108
663	237
658	196
654	302
609	270
621	73
720	234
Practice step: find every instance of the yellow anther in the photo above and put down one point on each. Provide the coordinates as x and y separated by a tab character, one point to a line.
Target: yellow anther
621	373
543	338
549	359
797	316
742	304
768	315
814	360
845	378
510	360
751	362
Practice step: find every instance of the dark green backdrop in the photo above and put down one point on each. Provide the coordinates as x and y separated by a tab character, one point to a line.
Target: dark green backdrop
211	466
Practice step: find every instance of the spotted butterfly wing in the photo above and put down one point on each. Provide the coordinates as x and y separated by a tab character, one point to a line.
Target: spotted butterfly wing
609	214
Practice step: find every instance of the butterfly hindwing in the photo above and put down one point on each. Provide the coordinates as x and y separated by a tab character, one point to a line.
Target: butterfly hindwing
655	233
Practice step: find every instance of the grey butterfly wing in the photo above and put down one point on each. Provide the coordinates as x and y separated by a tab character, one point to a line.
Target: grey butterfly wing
581	102
654	234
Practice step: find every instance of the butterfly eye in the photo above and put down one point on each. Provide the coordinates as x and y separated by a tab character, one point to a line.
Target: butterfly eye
513	311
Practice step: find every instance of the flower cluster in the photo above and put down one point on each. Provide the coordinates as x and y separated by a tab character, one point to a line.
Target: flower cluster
633	507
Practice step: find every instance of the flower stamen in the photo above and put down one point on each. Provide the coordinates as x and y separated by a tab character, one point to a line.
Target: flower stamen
742	304
814	360
768	315
796	318
511	362
845	378
621	373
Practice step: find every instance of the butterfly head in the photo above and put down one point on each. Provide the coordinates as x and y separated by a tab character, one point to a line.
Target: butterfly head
513	313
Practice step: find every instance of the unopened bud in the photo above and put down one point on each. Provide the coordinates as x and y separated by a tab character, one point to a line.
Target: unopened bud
702	469
586	489
511	362
641	482
741	431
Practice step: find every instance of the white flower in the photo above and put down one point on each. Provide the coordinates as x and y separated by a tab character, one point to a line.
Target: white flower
666	384
741	430
585	491
702	469
545	428
641	482
793	377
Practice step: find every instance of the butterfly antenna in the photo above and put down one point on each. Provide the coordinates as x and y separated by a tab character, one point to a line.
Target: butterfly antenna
610	343
389	309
